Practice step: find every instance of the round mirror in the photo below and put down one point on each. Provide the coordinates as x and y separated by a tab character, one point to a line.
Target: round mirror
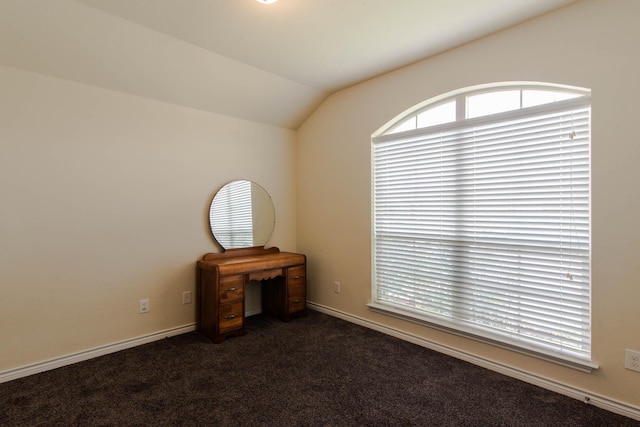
242	215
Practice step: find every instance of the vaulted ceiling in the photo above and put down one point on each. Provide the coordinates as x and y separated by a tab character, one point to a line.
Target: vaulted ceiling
272	64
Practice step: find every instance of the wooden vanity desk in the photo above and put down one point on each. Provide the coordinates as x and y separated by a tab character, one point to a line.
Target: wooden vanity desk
222	278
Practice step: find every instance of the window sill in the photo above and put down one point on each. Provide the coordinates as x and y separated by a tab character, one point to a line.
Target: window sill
578	364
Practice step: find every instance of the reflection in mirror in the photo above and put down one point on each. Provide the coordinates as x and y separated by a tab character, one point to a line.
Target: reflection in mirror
242	215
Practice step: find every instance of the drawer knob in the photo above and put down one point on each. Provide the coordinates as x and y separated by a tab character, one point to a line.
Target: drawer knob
231	316
296	300
296	277
231	289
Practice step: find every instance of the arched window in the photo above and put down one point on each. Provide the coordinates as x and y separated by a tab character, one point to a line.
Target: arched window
481	214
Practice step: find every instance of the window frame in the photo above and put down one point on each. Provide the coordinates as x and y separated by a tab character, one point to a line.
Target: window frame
460	96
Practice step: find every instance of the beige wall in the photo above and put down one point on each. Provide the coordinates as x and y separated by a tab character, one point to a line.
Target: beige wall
591	44
104	201
104	196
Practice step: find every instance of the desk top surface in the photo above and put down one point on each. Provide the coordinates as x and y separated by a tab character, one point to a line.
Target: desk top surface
250	259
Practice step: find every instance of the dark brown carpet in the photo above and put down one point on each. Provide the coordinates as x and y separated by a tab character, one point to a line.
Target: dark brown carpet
313	371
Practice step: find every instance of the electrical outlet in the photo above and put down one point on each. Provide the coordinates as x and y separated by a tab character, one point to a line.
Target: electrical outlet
186	297
144	306
336	287
632	360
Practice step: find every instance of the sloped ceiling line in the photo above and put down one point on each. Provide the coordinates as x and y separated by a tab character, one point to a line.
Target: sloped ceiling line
272	64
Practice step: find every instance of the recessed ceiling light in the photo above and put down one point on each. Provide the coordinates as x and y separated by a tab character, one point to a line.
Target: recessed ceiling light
266	1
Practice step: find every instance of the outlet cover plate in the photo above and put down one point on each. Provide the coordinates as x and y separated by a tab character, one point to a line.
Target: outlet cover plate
144	306
632	360
187	297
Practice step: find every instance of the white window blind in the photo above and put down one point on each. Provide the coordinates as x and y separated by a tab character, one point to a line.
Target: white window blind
483	226
231	215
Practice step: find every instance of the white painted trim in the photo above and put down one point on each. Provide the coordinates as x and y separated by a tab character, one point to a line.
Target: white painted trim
603	402
450	328
23	371
252	312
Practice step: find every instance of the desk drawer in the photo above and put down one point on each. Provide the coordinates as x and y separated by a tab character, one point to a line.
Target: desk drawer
296	273
297	302
231	289
296	289
230	317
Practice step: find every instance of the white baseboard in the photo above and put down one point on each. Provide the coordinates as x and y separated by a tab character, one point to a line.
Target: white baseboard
24	371
59	362
603	402
252	312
